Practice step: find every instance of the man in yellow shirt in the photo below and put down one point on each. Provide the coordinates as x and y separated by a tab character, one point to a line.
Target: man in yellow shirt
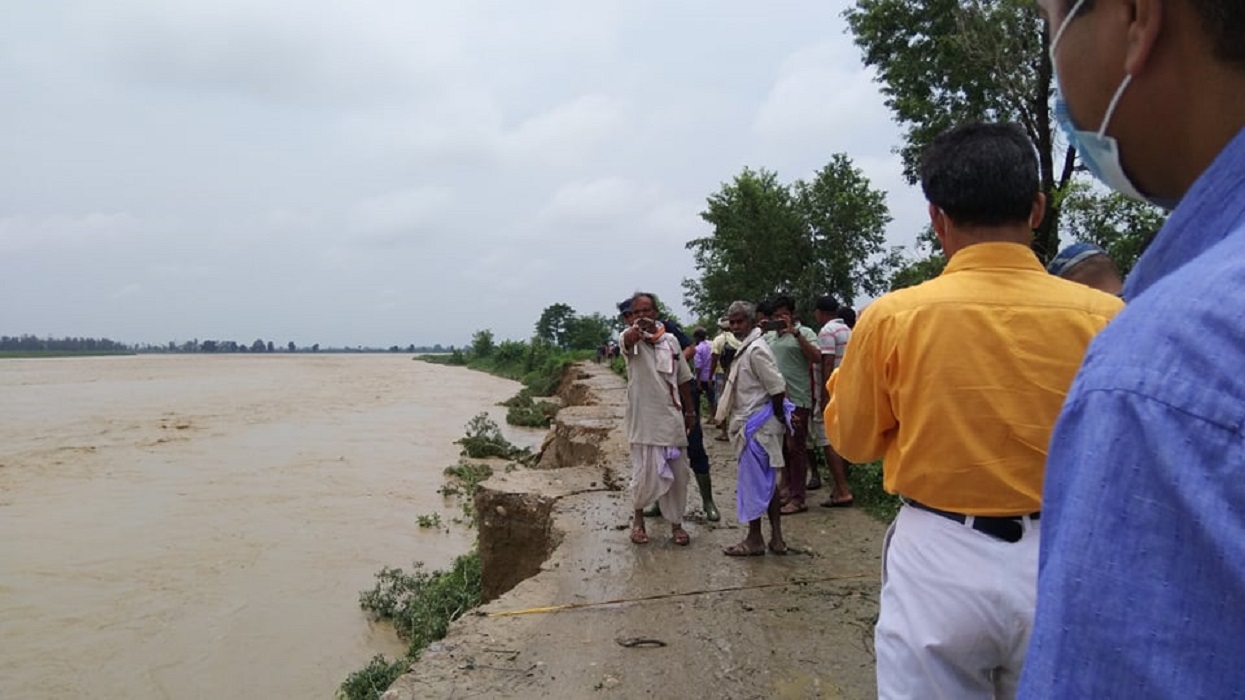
956	384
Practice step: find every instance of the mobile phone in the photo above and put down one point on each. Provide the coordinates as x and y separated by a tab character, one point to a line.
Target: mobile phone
773	325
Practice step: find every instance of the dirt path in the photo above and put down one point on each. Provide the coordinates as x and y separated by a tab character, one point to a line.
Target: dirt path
776	638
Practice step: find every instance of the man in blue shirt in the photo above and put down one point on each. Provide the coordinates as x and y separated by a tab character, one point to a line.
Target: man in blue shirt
1141	592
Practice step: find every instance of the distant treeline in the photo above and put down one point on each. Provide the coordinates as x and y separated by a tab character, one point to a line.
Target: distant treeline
35	344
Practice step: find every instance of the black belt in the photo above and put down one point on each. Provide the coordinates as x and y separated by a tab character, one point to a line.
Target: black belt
1007	529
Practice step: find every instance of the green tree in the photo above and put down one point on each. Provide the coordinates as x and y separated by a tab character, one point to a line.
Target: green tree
1121	225
554	324
482	343
945	62
587	332
805	239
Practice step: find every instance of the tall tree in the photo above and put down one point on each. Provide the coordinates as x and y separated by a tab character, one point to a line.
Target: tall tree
554	324
945	62
806	239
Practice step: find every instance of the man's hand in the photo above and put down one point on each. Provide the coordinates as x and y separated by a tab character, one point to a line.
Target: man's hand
689	422
631	336
788	325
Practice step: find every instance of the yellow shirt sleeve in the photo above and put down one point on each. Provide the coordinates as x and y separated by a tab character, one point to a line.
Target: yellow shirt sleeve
859	417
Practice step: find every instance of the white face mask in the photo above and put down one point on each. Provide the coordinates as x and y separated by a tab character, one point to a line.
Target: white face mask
1100	153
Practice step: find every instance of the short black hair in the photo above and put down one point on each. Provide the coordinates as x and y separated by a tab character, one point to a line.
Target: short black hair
982	174
1222	20
827	304
848	314
765	308
700	334
784	302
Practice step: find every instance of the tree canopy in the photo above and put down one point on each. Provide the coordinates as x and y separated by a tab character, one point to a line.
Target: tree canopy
946	62
806	239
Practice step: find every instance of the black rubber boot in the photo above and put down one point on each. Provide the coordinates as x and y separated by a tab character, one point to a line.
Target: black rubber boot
706	495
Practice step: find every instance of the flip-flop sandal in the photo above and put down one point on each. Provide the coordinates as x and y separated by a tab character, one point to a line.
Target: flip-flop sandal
792	509
681	537
721	438
838	503
780	552
739	550
639	536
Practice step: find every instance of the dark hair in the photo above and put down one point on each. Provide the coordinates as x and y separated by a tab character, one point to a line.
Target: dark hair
700	334
784	302
1222	20
624	306
765	308
982	174
827	304
848	314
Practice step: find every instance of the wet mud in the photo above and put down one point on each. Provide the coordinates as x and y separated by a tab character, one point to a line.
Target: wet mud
656	620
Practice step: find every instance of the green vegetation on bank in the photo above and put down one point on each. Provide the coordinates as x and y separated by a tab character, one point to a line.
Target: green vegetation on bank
537	363
422	604
865	481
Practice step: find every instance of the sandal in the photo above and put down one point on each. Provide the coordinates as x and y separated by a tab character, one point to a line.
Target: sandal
792	508
680	537
742	550
638	536
780	551
836	502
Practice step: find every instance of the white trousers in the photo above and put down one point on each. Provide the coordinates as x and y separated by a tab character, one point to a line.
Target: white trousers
648	487
956	610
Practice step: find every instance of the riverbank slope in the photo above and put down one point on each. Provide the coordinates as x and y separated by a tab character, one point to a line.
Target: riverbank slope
795	626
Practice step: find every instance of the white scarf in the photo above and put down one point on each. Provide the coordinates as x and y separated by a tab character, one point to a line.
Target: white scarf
726	402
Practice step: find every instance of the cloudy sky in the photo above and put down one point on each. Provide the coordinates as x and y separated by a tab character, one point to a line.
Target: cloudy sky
385	172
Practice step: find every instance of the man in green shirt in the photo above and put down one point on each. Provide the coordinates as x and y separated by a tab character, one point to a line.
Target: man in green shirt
795	349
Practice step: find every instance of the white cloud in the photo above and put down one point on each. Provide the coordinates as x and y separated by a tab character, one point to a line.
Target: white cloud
318	171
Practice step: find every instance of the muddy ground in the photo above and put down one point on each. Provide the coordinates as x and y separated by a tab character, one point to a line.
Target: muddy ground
795	626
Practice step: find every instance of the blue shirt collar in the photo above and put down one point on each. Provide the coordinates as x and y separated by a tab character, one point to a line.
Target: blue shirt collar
1210	210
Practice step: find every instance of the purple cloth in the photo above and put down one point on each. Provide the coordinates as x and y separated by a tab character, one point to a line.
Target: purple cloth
756	477
702	359
665	471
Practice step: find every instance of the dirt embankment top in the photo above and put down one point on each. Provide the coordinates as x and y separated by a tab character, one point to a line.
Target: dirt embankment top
798	626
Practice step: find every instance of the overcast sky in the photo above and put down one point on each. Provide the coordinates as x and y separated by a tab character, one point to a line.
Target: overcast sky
391	172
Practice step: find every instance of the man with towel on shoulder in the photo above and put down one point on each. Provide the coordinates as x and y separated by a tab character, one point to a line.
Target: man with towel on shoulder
659	416
754	402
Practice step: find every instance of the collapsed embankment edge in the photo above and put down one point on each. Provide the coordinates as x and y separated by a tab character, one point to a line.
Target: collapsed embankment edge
517	511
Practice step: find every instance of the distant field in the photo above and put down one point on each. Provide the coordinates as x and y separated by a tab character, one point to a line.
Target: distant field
7	354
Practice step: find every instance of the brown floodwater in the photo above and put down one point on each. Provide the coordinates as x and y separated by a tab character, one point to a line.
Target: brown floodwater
193	526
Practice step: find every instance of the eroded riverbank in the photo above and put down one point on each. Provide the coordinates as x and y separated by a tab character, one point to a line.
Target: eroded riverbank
798	626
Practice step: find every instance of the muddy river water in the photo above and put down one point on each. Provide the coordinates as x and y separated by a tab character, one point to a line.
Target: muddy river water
197	526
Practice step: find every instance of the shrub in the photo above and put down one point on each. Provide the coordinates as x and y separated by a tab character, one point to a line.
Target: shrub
484	439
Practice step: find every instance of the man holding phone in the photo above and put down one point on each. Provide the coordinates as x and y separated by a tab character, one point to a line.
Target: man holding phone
795	349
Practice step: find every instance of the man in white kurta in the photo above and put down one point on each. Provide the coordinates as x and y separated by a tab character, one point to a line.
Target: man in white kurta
659	412
754	408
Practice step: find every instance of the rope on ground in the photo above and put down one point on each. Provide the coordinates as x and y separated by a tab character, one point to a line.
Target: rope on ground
661	596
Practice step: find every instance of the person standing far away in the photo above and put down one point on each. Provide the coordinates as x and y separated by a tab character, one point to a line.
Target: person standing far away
1088	264
703	367
795	350
658	417
832	339
723	348
1142	586
955	384
755	408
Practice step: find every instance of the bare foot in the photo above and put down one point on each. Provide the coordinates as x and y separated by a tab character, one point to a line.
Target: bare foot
744	549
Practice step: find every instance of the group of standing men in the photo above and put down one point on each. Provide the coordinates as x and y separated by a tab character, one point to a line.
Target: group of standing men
1072	470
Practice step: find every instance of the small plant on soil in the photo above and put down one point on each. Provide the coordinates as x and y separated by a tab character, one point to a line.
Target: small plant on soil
431	520
421	605
468	476
484	439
